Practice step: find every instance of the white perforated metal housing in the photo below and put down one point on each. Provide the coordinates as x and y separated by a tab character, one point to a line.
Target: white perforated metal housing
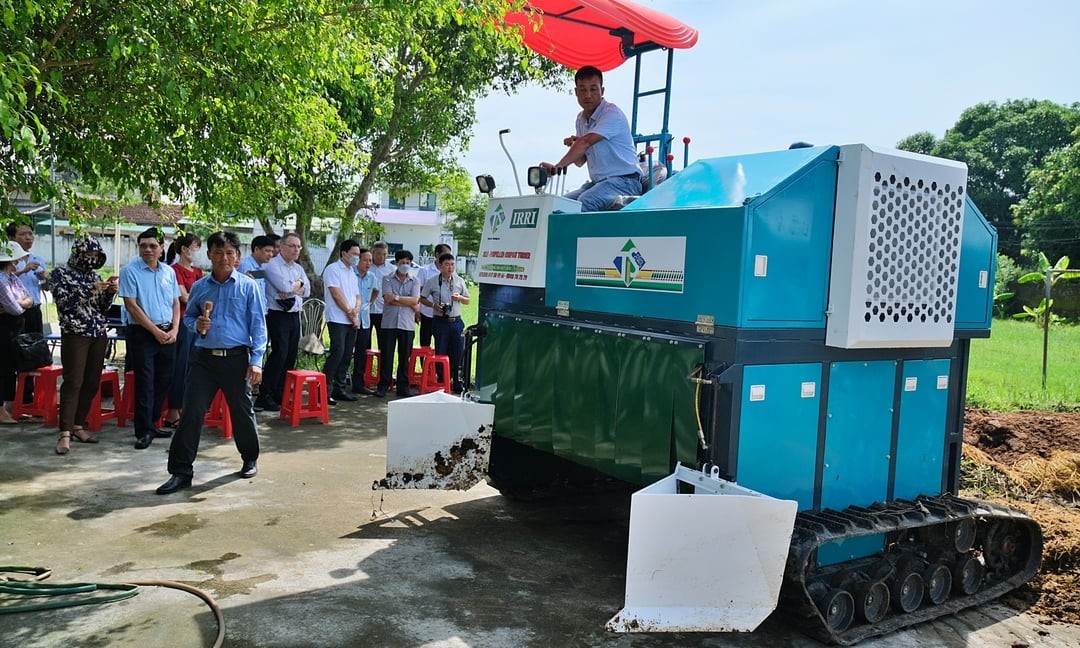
896	249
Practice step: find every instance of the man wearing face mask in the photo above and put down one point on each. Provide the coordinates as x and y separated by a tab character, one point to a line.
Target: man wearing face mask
401	303
341	292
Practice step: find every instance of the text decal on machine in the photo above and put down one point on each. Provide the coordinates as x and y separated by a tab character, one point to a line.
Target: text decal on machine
632	263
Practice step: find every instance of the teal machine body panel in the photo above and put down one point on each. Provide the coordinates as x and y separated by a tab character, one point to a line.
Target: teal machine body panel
726	272
756	256
785	400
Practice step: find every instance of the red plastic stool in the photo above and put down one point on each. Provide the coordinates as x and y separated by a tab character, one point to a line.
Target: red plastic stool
371	367
431	382
97	413
218	416
293	404
416	374
46	397
127	405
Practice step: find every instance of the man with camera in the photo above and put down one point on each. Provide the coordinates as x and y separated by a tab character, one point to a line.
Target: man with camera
445	293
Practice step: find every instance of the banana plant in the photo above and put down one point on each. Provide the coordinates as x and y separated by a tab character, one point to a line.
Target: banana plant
1050	275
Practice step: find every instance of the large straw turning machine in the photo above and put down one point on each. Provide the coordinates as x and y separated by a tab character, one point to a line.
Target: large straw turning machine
775	347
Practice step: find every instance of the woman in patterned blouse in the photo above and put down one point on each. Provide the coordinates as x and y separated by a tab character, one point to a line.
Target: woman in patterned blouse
14	300
82	302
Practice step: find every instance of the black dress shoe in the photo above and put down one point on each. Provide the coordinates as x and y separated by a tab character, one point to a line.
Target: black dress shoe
330	400
249	470
162	434
380	394
268	404
363	390
144	441
175	483
342	396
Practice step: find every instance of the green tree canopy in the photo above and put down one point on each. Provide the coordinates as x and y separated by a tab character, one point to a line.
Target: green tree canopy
162	95
1002	144
922	142
1050	213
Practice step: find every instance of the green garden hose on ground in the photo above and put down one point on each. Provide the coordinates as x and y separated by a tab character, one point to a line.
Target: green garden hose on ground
73	593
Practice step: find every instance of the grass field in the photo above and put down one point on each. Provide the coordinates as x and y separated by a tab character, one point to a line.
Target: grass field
1006	370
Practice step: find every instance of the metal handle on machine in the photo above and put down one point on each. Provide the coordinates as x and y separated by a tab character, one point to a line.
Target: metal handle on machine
472	337
513	166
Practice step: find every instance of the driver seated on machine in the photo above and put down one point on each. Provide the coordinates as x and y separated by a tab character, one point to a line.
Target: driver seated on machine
603	141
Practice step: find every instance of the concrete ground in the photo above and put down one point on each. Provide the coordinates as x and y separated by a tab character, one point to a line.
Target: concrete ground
306	554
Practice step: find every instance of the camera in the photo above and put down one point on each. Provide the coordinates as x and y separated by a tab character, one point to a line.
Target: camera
446	308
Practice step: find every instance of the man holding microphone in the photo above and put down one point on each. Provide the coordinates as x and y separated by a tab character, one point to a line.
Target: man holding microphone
225	310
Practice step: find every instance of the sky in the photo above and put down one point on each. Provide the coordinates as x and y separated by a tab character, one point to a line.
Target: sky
766	73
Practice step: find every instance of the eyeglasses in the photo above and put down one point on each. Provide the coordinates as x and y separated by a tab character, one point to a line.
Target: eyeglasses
291	245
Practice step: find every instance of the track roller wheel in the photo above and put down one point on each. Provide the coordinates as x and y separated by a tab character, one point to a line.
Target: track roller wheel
838	608
1000	546
907	590
968	574
963	535
872	601
938	581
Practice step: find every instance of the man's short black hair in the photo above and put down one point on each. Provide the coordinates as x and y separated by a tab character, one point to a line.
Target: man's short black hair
262	240
347	245
440	248
153	232
588	72
446	256
13	227
221	239
403	254
274	238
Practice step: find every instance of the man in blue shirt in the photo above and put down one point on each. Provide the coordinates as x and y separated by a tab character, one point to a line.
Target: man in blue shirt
603	140
254	264
152	299
369	283
225	311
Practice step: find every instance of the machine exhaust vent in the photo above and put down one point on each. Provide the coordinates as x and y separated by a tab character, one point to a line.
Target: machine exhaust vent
896	249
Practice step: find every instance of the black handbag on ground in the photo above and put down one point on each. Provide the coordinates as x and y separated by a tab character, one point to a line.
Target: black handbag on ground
31	351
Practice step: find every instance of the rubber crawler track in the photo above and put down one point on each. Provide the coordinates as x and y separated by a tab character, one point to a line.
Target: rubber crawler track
1006	542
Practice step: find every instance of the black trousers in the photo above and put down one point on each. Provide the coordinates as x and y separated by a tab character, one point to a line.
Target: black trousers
426	331
283	329
10	326
153	367
376	326
363	343
206	375
449	342
336	367
403	341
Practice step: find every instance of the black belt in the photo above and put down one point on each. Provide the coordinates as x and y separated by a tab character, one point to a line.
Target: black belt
164	327
447	317
225	353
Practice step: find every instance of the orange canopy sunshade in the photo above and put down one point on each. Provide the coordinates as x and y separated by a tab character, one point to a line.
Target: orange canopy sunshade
603	33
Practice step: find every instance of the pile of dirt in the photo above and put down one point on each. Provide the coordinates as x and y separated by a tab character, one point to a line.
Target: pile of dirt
1031	460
